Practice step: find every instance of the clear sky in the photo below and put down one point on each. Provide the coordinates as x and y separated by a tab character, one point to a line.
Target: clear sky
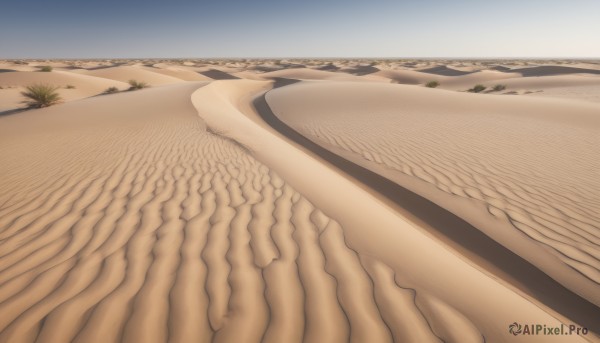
309	28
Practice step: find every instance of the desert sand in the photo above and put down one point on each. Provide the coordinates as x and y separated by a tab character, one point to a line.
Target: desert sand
300	201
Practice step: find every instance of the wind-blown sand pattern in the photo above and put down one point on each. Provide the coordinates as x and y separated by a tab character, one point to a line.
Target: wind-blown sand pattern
180	214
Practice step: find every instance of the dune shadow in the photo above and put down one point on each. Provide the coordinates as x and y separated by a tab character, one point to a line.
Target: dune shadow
500	68
552	71
219	75
328	67
445	71
360	70
106	67
449	226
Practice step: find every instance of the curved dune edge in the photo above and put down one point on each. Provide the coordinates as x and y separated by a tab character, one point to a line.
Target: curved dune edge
418	261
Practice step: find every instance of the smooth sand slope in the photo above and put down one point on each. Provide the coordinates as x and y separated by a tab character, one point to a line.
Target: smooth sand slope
524	171
82	86
311	74
126	73
182	213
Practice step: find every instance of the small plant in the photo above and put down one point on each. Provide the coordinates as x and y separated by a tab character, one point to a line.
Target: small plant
498	88
111	90
41	95
46	69
432	84
70	87
477	89
135	85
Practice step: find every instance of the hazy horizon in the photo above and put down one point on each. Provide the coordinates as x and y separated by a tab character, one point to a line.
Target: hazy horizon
433	29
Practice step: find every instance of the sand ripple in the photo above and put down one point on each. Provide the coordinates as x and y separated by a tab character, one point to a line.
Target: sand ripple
161	231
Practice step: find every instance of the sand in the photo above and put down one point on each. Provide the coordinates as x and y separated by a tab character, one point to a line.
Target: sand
331	205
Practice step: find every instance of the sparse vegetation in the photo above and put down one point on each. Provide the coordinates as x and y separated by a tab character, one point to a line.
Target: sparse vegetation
477	89
135	85
498	88
46	69
111	90
70	87
432	84
41	95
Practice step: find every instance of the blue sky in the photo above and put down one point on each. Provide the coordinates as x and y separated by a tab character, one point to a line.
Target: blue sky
310	28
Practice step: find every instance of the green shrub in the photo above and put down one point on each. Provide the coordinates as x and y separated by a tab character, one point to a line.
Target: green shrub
477	89
46	69
498	88
111	90
70	87
41	95
135	85
432	84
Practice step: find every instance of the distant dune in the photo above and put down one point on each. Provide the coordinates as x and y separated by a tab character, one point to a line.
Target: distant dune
552	70
444	71
218	75
126	73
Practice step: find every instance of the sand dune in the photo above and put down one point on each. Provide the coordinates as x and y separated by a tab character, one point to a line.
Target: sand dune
552	70
444	71
312	74
545	82
126	73
84	86
216	74
360	70
585	93
180	73
408	77
462	82
573	86
518	190
224	117
194	212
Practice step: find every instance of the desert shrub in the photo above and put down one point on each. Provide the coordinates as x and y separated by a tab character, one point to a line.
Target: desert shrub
41	95
477	89
498	88
135	85
46	69
432	84
111	90
70	87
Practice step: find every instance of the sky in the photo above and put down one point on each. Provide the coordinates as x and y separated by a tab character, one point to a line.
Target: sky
309	28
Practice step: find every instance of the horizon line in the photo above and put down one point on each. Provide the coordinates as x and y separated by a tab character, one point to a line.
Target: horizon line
308	57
